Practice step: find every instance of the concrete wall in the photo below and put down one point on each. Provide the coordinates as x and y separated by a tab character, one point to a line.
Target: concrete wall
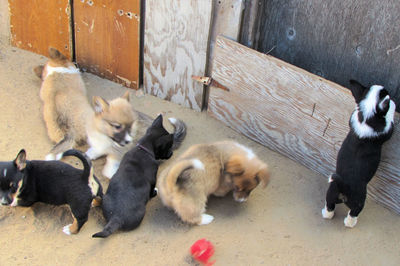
4	22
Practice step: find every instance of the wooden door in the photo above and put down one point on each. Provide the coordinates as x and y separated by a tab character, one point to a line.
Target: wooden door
175	48
107	39
36	25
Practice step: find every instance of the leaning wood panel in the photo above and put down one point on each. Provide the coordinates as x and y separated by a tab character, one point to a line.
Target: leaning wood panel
293	112
36	25
175	48
107	39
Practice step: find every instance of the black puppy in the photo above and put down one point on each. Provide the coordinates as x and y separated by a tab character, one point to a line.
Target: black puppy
25	182
133	184
371	124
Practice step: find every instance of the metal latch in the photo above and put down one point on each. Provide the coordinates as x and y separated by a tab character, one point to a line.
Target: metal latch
209	82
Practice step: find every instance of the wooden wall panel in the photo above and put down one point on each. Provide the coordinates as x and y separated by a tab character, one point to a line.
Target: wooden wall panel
338	40
293	112
36	25
107	39
175	48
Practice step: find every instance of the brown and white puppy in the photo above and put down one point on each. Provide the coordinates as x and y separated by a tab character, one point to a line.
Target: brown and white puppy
206	169
66	109
116	127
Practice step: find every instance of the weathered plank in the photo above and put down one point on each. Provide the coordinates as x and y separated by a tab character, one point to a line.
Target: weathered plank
175	48
293	112
36	25
338	40
107	39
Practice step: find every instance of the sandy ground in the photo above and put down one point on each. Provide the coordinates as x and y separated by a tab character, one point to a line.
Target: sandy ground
280	225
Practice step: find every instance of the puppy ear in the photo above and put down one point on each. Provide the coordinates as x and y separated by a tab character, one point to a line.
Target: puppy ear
38	71
234	166
55	54
126	96
263	175
20	160
100	105
357	89
158	121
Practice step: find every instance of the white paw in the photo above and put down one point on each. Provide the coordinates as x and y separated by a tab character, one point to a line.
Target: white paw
92	154
58	156
350	221
66	229
206	219
50	157
110	169
327	214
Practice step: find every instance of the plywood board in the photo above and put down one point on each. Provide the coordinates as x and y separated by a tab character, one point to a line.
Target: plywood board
175	48
107	39
293	112
36	25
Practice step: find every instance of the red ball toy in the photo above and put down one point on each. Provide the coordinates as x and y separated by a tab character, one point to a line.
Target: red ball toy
202	250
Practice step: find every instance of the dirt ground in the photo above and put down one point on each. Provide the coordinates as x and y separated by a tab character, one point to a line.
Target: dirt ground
280	225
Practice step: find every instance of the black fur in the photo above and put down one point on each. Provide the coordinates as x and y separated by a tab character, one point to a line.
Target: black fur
132	186
52	182
358	157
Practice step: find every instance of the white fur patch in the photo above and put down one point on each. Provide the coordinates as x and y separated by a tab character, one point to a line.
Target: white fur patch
198	164
327	214
66	229
250	153
367	106
172	120
350	221
128	137
330	179
206	219
5	172
365	131
64	70
111	167
241	200
50	157
93	185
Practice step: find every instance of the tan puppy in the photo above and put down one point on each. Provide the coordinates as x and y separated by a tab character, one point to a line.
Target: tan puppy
66	109
206	169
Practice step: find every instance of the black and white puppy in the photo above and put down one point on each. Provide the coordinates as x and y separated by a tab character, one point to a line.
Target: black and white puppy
24	182
133	184
371	124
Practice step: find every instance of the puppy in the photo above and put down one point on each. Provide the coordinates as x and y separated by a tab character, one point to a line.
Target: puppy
25	182
116	127
371	124
205	169
66	109
134	183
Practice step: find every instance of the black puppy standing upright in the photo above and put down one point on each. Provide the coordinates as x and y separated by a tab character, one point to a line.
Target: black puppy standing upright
133	184
371	124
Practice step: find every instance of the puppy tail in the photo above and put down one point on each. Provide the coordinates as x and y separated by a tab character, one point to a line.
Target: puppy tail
65	144
178	175
87	165
179	131
112	226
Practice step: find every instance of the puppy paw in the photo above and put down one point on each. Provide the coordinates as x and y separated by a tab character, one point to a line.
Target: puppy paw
66	229
92	154
206	219
327	214
50	157
350	221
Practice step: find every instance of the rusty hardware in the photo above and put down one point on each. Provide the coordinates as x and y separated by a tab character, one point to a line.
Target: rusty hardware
208	81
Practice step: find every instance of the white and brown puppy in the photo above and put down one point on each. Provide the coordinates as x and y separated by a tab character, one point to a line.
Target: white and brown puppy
115	129
66	109
206	169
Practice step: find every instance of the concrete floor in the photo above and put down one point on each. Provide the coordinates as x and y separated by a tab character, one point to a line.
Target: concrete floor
280	225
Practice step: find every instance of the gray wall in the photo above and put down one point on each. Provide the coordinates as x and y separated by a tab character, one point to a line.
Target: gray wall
4	22
338	40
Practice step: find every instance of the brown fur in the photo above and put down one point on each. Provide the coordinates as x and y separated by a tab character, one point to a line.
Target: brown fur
227	167
65	106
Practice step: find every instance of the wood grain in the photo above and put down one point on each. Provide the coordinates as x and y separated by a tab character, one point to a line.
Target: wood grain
37	25
175	48
293	112
107	39
338	40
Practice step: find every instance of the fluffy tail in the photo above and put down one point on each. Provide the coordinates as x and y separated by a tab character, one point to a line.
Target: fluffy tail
179	132
177	174
65	144
87	165
112	226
